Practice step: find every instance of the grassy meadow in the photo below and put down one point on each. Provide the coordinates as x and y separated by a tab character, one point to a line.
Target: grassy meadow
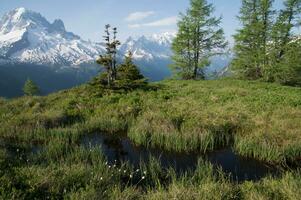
258	120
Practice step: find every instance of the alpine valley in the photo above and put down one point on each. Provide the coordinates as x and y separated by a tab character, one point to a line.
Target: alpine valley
32	47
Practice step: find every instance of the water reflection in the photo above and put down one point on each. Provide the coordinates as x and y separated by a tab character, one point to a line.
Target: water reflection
120	148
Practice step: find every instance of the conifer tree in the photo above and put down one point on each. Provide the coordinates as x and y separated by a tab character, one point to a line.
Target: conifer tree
128	70
198	35
266	16
284	46
128	74
251	41
115	44
282	30
109	59
182	49
30	88
288	70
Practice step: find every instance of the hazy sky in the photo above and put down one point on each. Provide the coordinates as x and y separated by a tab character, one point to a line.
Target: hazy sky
133	17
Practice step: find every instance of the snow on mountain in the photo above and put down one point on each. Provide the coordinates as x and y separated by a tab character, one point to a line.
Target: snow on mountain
157	46
156	49
28	41
27	37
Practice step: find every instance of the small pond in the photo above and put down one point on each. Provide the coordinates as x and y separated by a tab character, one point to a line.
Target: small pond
13	149
121	148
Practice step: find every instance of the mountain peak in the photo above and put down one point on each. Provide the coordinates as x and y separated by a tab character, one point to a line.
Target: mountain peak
20	11
20	19
148	48
28	37
58	24
164	38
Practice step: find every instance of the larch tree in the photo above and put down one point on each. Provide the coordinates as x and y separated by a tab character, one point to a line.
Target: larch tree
251	41
199	38
288	19
285	46
266	19
182	48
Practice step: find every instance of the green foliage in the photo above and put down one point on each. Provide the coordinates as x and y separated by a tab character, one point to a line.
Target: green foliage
284	56
266	48
259	120
199	33
128	75
30	88
108	60
252	39
128	70
288	70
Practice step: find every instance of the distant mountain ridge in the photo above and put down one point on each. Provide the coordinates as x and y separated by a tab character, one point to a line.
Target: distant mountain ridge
27	37
157	46
29	43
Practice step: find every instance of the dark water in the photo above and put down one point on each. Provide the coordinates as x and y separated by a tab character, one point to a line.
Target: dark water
122	149
14	150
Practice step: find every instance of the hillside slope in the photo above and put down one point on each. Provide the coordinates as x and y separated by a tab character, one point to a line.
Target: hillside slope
50	146
257	119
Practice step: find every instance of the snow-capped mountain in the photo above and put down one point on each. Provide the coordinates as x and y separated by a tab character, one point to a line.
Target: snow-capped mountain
27	37
155	50
157	46
32	47
151	53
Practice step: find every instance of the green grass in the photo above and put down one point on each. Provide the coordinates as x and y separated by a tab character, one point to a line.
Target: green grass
77	173
259	120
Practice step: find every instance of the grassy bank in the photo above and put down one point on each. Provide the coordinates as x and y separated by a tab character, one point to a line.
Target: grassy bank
258	119
71	172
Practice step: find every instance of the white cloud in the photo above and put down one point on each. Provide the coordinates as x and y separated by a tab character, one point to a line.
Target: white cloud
135	25
162	22
136	16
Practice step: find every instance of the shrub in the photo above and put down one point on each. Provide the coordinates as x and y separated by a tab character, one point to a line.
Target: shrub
30	88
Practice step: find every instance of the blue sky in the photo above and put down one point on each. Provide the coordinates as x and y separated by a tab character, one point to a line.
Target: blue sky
133	17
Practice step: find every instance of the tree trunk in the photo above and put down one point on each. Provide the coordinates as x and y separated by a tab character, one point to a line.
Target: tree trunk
285	39
197	52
